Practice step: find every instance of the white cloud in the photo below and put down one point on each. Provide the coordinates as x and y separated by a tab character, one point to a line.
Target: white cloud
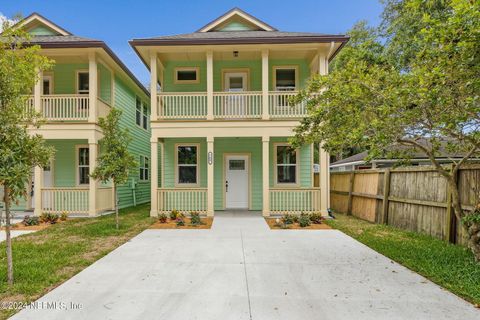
3	19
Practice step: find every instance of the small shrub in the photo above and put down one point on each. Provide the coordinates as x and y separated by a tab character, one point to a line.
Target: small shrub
162	218
63	216
289	218
180	221
304	220
30	221
316	218
195	218
174	214
51	218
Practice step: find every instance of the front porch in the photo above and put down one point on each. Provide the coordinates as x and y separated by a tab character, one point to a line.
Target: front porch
208	174
65	186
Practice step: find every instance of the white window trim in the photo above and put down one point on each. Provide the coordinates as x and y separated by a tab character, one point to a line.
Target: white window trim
289	67
187	185
50	76
175	75
297	167
143	105
77	164
77	72
140	167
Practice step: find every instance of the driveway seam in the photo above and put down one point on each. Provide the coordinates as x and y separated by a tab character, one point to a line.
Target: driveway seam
246	278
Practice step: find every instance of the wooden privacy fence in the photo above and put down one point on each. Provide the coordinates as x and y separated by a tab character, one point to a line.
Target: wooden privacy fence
413	198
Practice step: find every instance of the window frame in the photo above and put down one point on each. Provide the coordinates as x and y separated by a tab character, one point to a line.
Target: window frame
146	167
177	165
144	116
286	67
77	81
177	69
77	164
297	166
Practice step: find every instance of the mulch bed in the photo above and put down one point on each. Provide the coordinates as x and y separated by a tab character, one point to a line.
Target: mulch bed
295	226
171	224
40	226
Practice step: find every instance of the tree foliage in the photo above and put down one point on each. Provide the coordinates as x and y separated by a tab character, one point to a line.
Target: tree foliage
412	83
19	150
115	161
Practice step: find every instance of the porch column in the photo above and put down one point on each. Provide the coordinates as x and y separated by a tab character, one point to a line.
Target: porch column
209	85
92	87
210	181
37	190
324	156
154	177
265	107
93	184
37	92
266	175
153	87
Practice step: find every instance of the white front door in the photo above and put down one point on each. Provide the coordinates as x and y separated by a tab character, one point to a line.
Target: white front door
235	104
236	182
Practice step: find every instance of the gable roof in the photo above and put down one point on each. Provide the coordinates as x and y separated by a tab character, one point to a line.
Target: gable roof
64	39
36	18
239	14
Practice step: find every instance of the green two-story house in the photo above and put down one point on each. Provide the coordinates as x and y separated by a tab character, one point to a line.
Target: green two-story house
86	82
221	117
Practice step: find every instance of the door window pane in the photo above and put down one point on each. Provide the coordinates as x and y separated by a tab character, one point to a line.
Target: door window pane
236	164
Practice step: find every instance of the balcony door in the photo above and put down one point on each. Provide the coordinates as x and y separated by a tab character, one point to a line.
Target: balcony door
235	82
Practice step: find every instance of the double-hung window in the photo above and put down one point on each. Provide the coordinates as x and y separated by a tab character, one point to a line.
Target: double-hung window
141	113
187	164
144	168
83	82
286	164
83	165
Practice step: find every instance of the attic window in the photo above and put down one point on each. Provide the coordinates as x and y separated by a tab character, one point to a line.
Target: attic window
187	75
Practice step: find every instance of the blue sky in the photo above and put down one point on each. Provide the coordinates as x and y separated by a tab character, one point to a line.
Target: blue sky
117	21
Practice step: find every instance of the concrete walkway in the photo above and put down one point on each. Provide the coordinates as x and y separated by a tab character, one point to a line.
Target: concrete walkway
242	270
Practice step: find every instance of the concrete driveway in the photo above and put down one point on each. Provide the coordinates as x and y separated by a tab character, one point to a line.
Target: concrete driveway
242	270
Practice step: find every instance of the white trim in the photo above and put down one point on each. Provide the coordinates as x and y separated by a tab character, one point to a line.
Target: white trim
145	159
242	15
187	185
285	67
224	176
77	72
43	21
77	165
275	165
177	69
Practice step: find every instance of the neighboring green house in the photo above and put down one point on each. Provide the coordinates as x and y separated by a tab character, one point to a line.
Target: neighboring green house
222	119
88	79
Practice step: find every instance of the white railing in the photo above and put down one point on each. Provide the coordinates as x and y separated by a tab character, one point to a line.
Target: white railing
279	105
69	200
29	105
69	107
184	200
192	105
237	105
294	200
105	199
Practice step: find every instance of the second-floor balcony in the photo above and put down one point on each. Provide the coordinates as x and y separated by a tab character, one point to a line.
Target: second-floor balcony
68	108
229	106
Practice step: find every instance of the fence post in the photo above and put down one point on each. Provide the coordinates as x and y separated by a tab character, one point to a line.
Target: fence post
386	193
450	219
350	193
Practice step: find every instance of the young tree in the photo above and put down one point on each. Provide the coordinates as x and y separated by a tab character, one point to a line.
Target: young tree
420	91
115	160
19	151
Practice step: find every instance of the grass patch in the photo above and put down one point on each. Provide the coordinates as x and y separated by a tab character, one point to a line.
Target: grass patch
450	266
44	259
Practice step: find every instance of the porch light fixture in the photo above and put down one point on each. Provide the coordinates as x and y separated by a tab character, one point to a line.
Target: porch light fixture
235	54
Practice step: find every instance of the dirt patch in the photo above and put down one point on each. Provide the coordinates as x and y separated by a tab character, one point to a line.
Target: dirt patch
171	224
272	223
40	226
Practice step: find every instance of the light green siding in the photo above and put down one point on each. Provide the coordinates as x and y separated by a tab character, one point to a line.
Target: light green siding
169	178
64	77
64	165
140	144
254	68
105	83
42	31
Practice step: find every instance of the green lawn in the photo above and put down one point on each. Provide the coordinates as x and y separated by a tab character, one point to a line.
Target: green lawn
45	259
450	266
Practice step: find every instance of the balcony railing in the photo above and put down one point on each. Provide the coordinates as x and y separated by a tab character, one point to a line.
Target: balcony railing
228	105
67	107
